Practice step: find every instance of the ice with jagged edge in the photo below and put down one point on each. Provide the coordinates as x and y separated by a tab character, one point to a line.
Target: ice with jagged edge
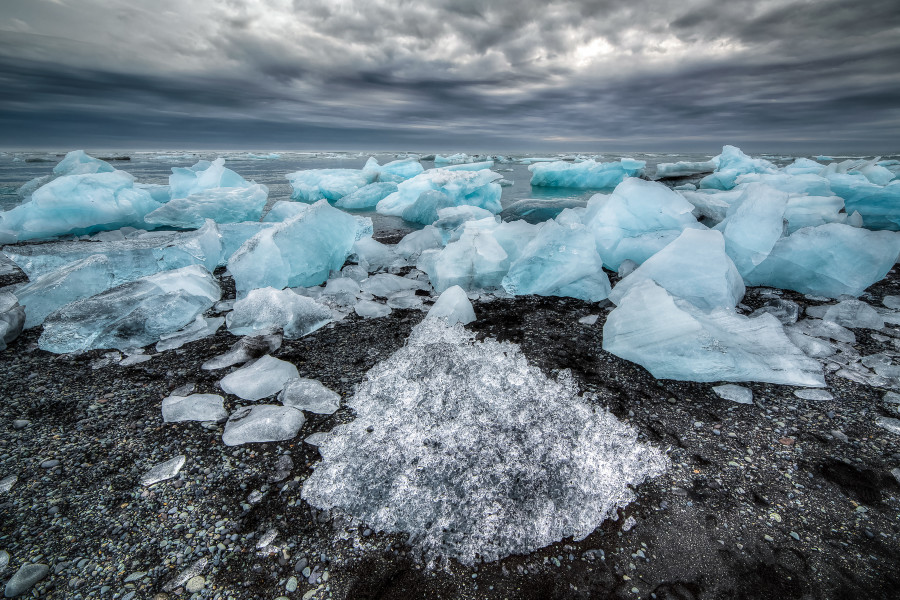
367	197
262	378
300	252
588	174
753	224
501	461
673	339
222	205
637	220
731	164
310	395
128	259
195	407
684	168
201	327
80	279
202	177
394	171
12	319
131	315
312	185
265	309
262	423
76	162
284	210
419	199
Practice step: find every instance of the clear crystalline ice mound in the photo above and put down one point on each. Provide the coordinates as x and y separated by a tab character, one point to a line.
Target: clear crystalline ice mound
475	453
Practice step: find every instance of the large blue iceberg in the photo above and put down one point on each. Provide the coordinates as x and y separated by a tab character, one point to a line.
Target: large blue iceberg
418	199
588	174
222	205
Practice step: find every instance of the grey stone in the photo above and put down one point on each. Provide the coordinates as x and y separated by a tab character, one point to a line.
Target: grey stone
24	579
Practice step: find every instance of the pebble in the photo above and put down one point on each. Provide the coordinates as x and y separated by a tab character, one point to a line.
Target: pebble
20	423
839	435
629	523
768	538
795	535
291	585
4	559
24	579
195	584
49	464
301	564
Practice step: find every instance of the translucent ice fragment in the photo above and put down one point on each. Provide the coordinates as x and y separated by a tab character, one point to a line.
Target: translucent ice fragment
263	378
265	309
310	395
453	306
735	393
163	471
196	407
262	423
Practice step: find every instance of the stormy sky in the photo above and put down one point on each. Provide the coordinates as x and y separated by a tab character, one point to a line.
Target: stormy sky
451	74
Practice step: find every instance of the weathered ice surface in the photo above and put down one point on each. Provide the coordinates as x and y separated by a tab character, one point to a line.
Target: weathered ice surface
637	220
12	319
675	340
260	379
684	168
385	285
80	279
561	260
202	177
476	260
878	205
394	171
367	197
313	185
262	423
245	349
539	210
310	395
131	315
129	259
375	256
731	164
234	235
196	407
163	471
368	309
299	252
265	309
453	307
585	175
854	314
80	204
695	268
197	329
829	260
418	199
735	393
222	205
504	461
284	210
752	226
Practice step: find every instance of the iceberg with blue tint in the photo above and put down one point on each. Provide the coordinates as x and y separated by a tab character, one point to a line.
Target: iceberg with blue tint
131	315
234	235
694	267
76	162
284	210
312	185
222	205
712	205
475	261
367	197
828	260
474	166
731	164
810	211
299	252
878	205
204	176
80	204
561	260
804	166
80	279
673	339
453	159
585	175
394	171
684	168
812	185
755	221
129	259
637	220
375	256
418	199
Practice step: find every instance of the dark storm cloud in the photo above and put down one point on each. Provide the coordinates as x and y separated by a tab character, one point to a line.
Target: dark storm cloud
647	74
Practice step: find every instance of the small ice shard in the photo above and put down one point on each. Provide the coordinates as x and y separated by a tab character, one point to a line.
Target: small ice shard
673	339
12	319
813	394
585	175
368	309
134	359
267	308
198	329
637	220
222	205
313	185
7	483
186	575
263	378
785	311
825	329
533	210
131	315
453	306
366	197
561	260
735	393
419	199
752	226
684	168
340	291
317	439
299	252
829	260
164	470
196	407
694	267
386	284
376	256
284	210
245	349
854	314
404	300
310	395
24	579
466	470
589	320
262	423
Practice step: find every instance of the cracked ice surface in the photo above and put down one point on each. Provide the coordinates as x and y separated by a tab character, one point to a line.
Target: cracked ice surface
475	453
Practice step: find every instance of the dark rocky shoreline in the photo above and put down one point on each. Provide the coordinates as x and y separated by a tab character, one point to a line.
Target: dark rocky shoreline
784	498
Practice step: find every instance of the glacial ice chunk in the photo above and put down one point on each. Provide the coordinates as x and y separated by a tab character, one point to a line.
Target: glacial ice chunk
476	260
534	210
222	205
310	395
854	314
753	225
695	268
367	197
262	423
829	260
375	256
418	199
282	211
453	159
196	407
394	171
245	349
731	164
637	220
313	185
453	307
263	378
368	309
505	461
588	174
235	235
735	393
299	252
878	205
264	309
164	470
684	168
385	285
131	315
416	242
12	319
202	177
198	329
675	340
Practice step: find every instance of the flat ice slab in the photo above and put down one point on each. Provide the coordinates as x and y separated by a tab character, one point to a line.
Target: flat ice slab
261	379
262	423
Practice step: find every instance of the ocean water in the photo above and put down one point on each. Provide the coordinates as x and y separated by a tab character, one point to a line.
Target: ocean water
16	168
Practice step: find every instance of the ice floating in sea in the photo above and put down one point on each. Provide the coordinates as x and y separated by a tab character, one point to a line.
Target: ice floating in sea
262	423
419	199
505	461
394	171
731	164
310	395
260	379
313	185
537	210
585	175
202	177
196	407
265	309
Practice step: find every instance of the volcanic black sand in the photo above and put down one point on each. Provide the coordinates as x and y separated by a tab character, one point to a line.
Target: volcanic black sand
784	498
